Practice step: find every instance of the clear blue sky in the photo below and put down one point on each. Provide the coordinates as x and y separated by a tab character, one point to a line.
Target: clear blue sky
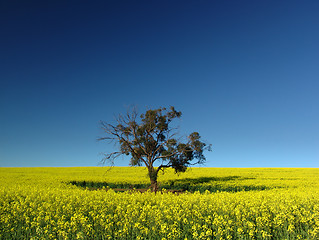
245	75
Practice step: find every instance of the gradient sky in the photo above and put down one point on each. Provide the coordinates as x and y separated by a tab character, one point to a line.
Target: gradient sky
245	75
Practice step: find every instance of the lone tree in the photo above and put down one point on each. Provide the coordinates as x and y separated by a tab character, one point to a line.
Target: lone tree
151	140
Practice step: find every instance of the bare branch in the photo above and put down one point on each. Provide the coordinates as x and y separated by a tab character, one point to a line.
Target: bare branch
110	157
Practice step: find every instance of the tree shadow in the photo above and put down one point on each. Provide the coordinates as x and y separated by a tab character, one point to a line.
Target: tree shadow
201	180
201	184
212	184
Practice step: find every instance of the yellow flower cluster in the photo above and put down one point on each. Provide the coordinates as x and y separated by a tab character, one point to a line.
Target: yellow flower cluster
39	203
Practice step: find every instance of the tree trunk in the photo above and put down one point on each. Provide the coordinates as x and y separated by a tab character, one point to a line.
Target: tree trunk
153	177
154	186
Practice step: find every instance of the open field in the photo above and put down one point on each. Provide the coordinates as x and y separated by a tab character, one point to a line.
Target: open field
220	203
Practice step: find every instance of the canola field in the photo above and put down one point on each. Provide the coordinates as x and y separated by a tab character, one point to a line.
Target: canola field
219	203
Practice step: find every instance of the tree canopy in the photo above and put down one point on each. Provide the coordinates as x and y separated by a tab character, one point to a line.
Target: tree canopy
151	139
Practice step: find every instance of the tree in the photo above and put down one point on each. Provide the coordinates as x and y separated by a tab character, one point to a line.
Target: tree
152	140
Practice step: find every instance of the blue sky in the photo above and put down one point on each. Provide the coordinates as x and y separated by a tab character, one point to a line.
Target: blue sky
244	74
